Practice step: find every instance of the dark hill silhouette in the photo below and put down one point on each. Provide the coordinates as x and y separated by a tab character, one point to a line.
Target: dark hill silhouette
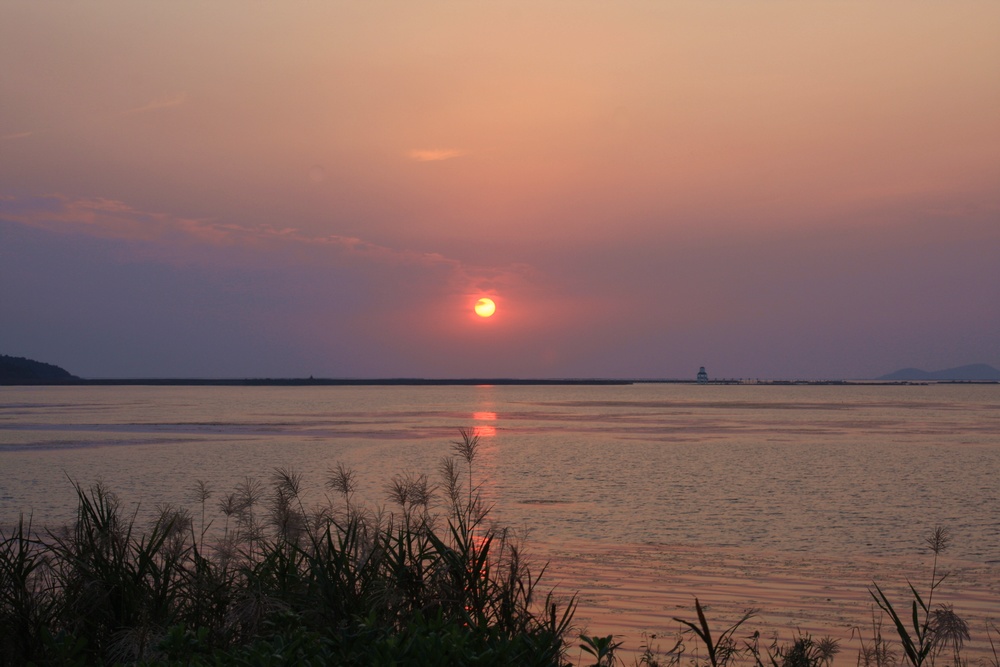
972	372
18	370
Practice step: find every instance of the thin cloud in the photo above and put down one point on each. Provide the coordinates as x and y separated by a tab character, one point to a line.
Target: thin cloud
434	154
109	218
159	103
154	105
105	218
169	237
16	135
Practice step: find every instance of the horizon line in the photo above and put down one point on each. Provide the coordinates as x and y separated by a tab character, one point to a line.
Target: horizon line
470	381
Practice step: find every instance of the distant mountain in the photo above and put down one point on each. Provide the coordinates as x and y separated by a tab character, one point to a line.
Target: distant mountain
974	372
18	370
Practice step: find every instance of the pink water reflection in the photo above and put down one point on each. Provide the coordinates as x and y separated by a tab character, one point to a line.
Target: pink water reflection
484	430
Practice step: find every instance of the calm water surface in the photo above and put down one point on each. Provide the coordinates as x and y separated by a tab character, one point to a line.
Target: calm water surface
835	470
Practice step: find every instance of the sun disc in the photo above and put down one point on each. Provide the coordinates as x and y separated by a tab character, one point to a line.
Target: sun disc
485	307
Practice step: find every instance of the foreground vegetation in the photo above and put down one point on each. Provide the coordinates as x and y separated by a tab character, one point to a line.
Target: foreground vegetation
925	632
429	581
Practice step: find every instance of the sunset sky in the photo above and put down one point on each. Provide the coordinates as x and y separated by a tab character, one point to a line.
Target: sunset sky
284	189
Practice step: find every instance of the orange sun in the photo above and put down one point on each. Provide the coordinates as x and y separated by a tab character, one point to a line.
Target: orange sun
485	307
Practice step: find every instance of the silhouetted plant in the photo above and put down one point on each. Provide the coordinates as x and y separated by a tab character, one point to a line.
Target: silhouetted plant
994	660
722	648
931	628
27	603
602	648
466	449
804	651
343	480
352	587
948	631
876	652
653	656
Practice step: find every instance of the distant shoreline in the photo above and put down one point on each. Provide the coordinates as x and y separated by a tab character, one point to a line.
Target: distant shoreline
417	382
314	382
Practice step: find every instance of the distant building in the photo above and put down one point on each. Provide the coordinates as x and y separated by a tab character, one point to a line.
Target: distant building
702	375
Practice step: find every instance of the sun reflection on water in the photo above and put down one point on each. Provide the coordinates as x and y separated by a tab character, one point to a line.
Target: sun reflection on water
484	430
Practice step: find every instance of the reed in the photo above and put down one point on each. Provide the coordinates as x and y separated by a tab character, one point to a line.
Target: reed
336	584
929	630
27	602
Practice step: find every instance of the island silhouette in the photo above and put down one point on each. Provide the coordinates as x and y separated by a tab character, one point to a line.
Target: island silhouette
18	370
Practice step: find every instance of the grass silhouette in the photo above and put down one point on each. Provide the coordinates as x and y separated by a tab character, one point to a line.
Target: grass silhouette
336	584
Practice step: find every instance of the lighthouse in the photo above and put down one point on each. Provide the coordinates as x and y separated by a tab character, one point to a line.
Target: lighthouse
702	376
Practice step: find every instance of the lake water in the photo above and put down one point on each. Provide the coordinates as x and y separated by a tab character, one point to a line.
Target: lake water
752	486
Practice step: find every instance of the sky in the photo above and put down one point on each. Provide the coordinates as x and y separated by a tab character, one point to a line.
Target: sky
769	189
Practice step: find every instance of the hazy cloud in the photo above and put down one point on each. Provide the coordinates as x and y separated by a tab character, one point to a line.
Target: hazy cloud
112	219
434	154
16	135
